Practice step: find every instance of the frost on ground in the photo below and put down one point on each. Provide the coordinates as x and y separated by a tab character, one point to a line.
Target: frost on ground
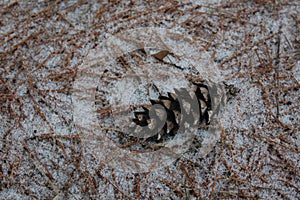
251	44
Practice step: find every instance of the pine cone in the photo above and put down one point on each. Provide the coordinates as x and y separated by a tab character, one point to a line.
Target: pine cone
171	105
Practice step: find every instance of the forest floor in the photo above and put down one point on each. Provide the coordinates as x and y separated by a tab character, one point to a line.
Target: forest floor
47	46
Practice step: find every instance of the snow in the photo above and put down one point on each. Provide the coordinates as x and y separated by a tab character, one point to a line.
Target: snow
52	57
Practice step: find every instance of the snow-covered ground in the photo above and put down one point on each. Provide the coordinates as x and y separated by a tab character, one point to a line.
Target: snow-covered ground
61	78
